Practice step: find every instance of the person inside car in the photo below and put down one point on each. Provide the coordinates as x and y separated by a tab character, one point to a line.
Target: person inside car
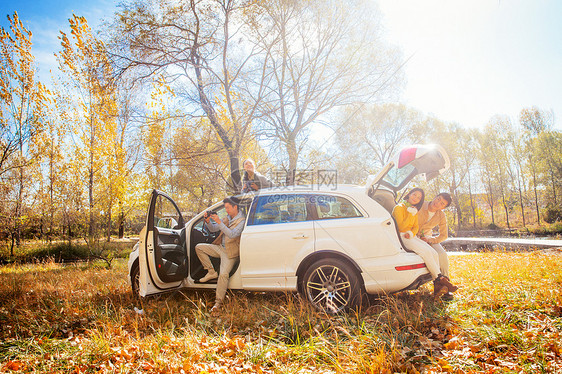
295	214
406	216
226	246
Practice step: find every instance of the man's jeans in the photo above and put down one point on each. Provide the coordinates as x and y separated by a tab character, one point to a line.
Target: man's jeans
205	250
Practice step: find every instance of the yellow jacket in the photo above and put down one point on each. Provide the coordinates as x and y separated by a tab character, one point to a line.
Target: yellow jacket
405	220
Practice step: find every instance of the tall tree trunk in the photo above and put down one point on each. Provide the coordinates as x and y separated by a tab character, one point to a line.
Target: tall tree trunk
19	208
536	194
471	202
457	208
91	175
12	246
520	189
17	228
51	198
108	225
521	201
490	197
232	149
453	192
235	171
505	207
91	201
293	158
552	178
42	226
121	224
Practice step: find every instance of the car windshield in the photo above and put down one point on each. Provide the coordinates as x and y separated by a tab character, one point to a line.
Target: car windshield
396	176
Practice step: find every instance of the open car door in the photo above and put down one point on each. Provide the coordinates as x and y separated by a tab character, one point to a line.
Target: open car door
163	257
428	159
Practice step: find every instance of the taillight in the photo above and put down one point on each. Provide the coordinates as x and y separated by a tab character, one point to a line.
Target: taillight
410	267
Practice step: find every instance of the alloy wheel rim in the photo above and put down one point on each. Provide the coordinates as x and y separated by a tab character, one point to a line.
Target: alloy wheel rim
329	288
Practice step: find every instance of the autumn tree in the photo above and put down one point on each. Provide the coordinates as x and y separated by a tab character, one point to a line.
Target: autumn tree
320	56
549	144
500	132
51	147
156	138
62	183
126	155
22	103
534	122
202	168
200	48
486	150
467	157
94	114
370	135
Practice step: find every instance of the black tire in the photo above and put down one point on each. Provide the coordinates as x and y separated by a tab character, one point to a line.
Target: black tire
331	285
135	281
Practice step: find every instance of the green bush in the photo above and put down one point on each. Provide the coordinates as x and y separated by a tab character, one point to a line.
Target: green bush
553	229
492	226
67	252
60	252
553	214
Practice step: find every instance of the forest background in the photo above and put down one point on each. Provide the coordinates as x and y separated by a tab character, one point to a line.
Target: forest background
174	96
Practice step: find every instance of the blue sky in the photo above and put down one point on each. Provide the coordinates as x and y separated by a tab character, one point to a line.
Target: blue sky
470	59
46	18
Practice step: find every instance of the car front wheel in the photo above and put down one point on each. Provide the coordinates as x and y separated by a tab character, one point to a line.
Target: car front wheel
331	285
135	281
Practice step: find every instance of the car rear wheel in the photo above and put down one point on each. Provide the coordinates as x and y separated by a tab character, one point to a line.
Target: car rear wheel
331	285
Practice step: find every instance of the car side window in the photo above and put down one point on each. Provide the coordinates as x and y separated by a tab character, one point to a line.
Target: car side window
166	215
280	208
221	211
332	207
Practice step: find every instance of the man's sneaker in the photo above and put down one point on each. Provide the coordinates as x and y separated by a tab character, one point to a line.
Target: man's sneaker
211	274
215	310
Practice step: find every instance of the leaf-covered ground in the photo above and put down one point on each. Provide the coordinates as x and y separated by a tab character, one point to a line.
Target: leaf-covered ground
505	318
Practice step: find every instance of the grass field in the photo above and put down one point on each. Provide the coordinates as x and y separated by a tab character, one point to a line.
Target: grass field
506	318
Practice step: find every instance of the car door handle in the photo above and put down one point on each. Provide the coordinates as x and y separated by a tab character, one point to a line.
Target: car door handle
300	236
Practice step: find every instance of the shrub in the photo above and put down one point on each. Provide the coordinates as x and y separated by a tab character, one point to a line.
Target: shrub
493	226
552	214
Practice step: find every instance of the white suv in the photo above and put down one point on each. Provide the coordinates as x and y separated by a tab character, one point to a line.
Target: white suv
331	243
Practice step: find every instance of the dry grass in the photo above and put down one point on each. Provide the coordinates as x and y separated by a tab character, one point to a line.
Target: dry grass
506	318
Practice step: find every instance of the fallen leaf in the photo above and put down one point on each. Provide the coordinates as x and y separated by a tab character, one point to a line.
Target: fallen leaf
452	344
15	365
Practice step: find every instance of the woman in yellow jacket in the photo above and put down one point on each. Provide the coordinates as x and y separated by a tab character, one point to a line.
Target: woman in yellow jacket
406	218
